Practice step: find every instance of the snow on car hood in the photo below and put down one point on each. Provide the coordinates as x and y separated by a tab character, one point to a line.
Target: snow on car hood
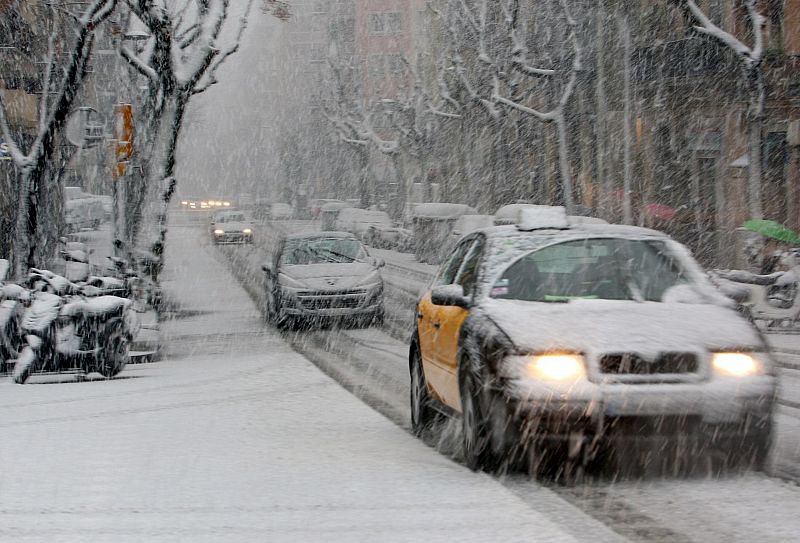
621	326
330	276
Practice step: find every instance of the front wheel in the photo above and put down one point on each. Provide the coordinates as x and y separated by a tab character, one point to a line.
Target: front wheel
114	354
475	425
25	365
422	412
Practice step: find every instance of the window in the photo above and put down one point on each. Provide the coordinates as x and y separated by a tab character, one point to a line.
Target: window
376	24
394	23
376	67
608	269
468	276
385	23
395	63
448	271
323	251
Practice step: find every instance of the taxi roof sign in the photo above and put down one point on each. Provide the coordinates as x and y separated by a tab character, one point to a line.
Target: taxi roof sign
542	218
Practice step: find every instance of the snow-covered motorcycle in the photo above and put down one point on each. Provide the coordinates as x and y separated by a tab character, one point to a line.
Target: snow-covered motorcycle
72	328
11	311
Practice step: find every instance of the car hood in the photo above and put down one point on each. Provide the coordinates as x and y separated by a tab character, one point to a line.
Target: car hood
593	326
329	276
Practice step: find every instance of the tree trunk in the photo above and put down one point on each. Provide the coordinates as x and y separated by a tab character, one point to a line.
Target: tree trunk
603	180
627	211
563	158
363	182
151	230
755	121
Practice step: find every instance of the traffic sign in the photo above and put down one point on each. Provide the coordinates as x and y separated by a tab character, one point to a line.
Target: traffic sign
5	151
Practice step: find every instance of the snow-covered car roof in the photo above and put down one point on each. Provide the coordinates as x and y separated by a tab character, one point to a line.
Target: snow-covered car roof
575	230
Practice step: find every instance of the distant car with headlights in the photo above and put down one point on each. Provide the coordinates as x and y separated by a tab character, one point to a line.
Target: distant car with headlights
320	277
231	227
553	335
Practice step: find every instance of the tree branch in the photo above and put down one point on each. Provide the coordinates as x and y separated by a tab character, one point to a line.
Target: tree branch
212	71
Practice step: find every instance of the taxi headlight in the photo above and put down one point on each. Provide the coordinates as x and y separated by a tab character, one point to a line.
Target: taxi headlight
556	367
735	364
248	230
219	232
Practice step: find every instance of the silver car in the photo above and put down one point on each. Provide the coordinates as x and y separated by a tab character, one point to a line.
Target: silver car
321	277
231	227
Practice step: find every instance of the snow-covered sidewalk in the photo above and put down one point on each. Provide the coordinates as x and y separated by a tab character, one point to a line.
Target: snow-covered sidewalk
233	437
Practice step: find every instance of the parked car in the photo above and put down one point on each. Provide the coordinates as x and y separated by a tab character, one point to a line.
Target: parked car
82	210
329	213
316	205
281	212
509	214
549	336
231	227
433	225
359	221
390	237
322	276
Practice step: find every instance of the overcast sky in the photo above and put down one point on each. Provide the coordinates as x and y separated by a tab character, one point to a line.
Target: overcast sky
225	126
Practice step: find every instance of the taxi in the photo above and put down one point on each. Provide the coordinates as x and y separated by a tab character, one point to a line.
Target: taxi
558	332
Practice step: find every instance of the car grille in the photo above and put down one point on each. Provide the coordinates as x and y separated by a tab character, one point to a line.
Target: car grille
345	299
633	364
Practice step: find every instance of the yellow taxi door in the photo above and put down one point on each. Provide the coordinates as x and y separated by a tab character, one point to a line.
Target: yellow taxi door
427	315
451	319
429	324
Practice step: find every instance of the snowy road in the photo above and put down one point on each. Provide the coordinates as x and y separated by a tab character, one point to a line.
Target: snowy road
236	437
372	364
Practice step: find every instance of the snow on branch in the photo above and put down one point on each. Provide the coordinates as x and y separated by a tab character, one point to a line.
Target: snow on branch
750	56
566	94
138	64
211	79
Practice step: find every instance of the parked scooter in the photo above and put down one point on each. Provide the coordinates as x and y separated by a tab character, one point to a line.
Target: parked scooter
773	298
68	329
11	311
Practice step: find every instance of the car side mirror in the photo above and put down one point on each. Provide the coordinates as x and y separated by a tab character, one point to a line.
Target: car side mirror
450	295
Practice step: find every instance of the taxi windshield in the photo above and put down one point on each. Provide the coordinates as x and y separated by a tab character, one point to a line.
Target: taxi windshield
605	269
323	251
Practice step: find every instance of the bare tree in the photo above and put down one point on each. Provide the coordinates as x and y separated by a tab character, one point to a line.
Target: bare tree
345	109
518	89
416	117
490	60
750	59
180	61
34	162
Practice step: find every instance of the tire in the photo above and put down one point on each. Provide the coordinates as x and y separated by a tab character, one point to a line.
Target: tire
13	348
114	355
479	452
422	412
25	365
379	318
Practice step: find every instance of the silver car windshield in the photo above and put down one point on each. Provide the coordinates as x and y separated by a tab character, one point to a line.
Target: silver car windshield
323	251
608	269
235	217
